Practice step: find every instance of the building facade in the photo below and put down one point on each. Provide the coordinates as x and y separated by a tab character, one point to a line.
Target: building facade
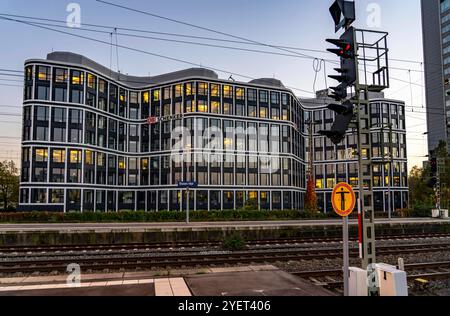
96	140
333	164
436	43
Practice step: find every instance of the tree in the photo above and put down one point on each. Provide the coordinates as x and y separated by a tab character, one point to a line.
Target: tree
9	184
420	194
311	197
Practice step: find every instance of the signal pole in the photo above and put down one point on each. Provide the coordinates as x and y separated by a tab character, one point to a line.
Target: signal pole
357	47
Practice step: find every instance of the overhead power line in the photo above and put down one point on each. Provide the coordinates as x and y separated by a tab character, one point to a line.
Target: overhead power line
141	51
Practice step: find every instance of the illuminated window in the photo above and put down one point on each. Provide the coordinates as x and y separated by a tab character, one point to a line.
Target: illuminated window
91	81
215	90
59	156
189	89
202	88
122	96
146	97
77	77
253	195
240	93
41	155
75	156
227	92
101	159
122	164
319	184
89	157
215	107
155	95
43	73
144	164
263	195
178	90
263	112
202	106
353	181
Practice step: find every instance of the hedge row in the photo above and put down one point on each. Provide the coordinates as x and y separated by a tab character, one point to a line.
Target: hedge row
163	216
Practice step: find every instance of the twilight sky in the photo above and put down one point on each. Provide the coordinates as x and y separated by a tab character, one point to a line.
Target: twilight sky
293	23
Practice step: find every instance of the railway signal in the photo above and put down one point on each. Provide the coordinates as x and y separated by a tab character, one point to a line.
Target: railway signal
344	116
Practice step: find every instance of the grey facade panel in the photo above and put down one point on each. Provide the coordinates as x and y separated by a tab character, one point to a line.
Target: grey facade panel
434	72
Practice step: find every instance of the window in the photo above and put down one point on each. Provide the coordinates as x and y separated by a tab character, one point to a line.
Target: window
178	90
56	196
58	134
155	95
75	156
58	156
41	155
227	108
240	93
215	90
263	112
227	92
189	89
215	107
59	115
77	78
274	98
89	157
42	113
43	93
60	95
146	97
252	111
251	95
43	73
167	93
41	133
91	81
76	117
60	75
202	88
240	110
202	106
263	96
102	86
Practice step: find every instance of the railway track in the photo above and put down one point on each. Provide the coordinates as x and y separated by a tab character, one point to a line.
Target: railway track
332	279
148	261
185	245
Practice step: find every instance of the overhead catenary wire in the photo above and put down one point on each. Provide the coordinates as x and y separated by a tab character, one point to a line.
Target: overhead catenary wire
143	51
109	27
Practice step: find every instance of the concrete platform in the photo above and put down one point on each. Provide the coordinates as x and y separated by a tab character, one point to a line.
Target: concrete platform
114	290
263	280
164	227
252	284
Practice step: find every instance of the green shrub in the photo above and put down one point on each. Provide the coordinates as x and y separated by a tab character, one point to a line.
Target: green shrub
234	242
163	216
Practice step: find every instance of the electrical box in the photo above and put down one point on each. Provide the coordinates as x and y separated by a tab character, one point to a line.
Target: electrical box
435	213
392	282
357	282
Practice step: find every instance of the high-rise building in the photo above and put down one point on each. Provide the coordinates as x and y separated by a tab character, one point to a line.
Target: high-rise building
436	43
96	140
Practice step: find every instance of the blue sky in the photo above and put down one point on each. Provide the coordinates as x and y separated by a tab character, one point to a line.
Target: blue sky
297	23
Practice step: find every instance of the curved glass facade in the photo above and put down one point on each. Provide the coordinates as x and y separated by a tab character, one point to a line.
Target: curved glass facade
93	143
